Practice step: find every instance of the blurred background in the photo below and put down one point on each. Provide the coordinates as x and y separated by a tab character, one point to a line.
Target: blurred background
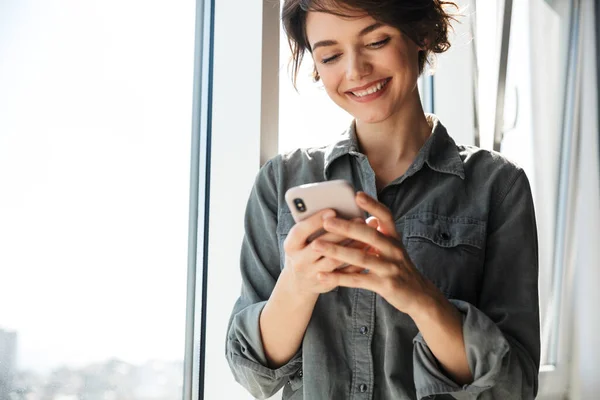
130	135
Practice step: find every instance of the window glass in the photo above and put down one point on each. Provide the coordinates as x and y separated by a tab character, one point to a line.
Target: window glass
95	112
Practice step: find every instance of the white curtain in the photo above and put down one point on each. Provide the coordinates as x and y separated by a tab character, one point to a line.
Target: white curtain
585	382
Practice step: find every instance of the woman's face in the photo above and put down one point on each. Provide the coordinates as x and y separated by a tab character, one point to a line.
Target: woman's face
368	69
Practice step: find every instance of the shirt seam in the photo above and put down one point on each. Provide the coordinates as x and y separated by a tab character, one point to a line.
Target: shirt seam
510	185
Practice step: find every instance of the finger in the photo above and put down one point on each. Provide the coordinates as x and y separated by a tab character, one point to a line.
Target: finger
350	269
326	264
361	281
387	225
336	265
301	231
333	238
355	257
373	222
363	233
330	237
354	244
351	242
307	254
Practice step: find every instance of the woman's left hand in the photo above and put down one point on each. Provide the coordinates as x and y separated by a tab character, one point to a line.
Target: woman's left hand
391	273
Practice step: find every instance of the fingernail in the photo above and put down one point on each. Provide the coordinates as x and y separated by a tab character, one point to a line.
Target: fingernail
361	197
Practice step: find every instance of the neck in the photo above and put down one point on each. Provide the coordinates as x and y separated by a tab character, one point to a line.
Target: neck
397	140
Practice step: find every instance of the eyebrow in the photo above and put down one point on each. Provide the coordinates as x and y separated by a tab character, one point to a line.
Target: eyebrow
363	32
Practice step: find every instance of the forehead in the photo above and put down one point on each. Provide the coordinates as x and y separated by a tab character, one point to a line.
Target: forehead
325	26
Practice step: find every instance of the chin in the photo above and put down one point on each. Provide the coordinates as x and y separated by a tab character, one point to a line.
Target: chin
370	118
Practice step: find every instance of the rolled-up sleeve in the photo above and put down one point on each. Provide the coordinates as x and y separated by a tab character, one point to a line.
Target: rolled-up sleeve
260	269
502	332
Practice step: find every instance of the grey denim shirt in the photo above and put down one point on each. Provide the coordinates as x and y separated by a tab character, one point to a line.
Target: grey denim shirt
467	221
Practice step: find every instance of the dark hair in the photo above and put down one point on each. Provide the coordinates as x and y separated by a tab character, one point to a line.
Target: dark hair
426	22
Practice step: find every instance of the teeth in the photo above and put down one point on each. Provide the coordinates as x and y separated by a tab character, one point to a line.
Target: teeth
372	89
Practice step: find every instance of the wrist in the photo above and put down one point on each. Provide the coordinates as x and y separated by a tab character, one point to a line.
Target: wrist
429	305
290	286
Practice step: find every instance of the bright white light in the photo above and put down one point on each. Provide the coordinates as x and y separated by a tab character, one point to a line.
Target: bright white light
95	118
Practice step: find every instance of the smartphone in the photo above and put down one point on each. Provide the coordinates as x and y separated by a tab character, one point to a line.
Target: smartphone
339	195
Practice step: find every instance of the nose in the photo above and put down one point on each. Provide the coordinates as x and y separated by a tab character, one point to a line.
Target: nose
357	67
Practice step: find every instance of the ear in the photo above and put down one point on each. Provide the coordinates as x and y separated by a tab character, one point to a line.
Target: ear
315	74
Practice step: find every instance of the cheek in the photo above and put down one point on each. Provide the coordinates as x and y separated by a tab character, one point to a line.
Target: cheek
330	80
332	88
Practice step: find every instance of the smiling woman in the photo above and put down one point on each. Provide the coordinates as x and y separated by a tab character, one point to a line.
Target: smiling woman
444	303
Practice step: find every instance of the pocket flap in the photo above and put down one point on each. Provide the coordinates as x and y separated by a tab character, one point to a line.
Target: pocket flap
445	231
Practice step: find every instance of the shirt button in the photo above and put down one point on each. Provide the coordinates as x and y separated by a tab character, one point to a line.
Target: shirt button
444	236
300	373
364	330
362	388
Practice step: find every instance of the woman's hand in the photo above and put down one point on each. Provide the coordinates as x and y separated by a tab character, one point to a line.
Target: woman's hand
391	273
393	276
304	263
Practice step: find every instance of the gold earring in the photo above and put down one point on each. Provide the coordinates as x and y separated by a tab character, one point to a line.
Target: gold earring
316	76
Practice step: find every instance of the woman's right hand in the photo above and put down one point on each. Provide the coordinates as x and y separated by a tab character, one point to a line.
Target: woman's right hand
302	262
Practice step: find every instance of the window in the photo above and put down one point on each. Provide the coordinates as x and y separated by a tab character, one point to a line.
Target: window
95	112
532	132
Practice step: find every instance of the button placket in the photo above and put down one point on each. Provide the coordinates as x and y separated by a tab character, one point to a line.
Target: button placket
364	318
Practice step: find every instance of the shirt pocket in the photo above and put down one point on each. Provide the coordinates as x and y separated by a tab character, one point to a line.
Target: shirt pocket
449	251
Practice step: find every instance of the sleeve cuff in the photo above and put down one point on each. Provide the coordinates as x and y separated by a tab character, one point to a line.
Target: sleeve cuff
247	358
485	345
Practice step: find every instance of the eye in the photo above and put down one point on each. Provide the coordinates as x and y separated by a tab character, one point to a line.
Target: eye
379	44
329	59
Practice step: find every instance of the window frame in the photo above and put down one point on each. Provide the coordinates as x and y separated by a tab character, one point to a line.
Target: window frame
196	302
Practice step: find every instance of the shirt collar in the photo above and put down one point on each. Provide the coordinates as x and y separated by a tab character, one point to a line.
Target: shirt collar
439	152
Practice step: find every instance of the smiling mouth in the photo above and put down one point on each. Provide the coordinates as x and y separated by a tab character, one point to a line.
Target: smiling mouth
373	89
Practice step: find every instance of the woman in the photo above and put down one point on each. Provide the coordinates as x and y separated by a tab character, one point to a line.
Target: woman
445	302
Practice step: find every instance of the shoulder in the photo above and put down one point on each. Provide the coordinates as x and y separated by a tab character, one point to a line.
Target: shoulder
301	157
288	169
491	169
476	157
299	166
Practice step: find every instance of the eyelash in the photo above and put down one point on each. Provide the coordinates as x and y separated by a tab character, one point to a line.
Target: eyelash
375	45
379	44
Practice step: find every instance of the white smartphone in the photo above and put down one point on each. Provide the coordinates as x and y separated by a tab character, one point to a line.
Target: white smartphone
339	195
307	200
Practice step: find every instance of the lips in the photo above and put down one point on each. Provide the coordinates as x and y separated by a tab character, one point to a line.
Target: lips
367	86
373	92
